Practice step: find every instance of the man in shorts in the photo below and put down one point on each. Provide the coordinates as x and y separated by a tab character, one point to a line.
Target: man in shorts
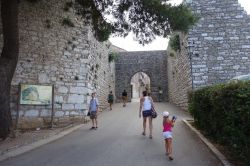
93	109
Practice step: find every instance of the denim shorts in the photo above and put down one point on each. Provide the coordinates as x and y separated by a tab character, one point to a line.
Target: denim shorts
146	113
167	134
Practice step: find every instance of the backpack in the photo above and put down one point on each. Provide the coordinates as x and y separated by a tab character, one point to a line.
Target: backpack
110	97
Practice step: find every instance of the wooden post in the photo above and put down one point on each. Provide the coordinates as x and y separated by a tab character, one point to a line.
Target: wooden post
18	105
52	108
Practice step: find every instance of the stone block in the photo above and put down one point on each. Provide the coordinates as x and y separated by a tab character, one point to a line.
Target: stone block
81	84
236	67
66	53
78	90
53	79
63	89
58	99
74	113
43	78
81	106
218	38
31	113
21	113
208	38
245	46
57	106
45	113
234	38
54	68
68	106
59	113
76	98
220	58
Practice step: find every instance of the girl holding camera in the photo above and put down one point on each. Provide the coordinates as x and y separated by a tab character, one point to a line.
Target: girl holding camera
168	124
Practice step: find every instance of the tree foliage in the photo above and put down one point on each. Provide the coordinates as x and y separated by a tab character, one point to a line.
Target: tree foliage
145	18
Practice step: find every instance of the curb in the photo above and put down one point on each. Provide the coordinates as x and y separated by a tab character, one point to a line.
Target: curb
212	148
37	144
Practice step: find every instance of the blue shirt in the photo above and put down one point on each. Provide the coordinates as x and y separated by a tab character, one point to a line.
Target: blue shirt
93	104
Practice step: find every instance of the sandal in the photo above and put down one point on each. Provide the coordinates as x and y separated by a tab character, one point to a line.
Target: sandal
143	133
170	158
150	137
92	128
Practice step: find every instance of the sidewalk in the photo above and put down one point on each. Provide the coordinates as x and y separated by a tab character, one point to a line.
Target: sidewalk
32	139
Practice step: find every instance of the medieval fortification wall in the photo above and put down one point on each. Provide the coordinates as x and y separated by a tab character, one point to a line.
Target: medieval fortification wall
58	48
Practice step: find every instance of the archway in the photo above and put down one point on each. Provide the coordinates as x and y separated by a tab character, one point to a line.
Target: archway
153	63
139	83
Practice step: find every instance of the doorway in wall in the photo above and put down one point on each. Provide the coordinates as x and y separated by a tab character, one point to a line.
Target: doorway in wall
139	83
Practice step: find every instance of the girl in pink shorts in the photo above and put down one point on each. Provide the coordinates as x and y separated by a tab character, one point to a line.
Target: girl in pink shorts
167	133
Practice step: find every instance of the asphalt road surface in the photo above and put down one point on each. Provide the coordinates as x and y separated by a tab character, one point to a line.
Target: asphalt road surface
118	142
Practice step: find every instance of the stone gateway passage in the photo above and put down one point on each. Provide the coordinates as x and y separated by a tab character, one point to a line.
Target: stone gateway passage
152	63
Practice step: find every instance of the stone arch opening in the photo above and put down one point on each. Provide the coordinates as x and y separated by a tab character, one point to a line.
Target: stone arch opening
140	82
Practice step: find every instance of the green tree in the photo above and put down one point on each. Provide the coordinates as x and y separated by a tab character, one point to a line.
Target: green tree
8	61
146	18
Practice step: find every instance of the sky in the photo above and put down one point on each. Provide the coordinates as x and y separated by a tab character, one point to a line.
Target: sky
159	43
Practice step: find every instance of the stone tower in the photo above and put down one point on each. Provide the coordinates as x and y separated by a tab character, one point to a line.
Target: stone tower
219	45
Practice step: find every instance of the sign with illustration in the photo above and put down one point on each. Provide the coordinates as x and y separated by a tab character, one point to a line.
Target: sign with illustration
36	94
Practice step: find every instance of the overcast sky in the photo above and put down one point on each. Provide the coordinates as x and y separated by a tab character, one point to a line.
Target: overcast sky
160	43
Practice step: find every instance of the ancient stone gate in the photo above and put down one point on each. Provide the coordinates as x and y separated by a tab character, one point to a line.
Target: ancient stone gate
153	63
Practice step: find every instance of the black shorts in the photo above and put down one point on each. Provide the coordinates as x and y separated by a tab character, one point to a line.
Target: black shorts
146	113
93	115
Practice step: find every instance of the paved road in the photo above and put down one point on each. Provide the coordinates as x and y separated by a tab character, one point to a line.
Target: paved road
118	142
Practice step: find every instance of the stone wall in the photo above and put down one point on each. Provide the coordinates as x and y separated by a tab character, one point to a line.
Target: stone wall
179	75
53	53
216	49
219	44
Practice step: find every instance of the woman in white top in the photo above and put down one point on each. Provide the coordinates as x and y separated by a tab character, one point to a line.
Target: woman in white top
146	105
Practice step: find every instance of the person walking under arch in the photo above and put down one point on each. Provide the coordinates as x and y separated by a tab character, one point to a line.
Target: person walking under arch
124	97
146	105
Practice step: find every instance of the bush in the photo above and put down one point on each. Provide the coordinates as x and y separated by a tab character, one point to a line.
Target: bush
223	113
112	56
174	42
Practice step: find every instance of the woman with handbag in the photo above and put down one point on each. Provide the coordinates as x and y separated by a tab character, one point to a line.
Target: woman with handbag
146	107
